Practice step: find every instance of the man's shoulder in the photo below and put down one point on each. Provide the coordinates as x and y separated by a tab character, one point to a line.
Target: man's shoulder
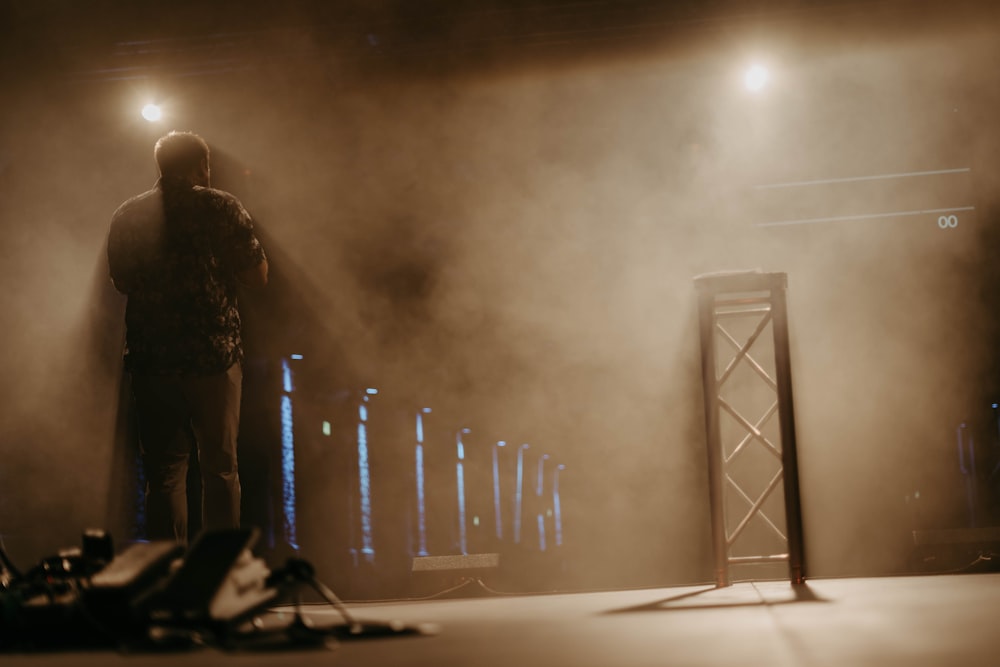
139	203
214	194
220	200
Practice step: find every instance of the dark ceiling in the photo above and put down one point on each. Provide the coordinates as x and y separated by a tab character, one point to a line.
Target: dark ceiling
111	39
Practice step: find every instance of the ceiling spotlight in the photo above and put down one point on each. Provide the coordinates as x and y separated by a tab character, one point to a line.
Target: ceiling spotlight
152	113
756	78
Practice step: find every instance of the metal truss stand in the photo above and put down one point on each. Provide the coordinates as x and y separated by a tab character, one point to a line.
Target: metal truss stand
735	310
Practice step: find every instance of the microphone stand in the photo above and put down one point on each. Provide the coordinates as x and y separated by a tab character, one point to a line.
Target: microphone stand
299	573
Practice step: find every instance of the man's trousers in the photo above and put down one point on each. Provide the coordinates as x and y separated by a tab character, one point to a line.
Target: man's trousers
178	415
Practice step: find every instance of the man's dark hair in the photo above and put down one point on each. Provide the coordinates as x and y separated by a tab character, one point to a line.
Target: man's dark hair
179	153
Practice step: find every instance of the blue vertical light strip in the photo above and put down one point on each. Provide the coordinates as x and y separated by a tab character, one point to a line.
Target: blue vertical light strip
288	455
498	518
540	485
364	483
421	501
518	489
460	480
539	489
557	505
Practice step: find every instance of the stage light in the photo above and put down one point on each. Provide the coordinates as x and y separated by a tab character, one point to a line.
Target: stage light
152	113
756	78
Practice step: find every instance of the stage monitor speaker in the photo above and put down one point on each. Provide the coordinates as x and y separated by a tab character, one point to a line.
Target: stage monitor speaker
459	575
956	550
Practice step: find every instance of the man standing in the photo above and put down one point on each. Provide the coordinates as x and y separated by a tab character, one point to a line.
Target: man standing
179	252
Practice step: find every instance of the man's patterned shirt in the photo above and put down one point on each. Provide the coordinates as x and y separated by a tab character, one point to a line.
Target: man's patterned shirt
176	251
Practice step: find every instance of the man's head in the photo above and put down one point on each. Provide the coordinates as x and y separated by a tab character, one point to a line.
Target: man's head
183	155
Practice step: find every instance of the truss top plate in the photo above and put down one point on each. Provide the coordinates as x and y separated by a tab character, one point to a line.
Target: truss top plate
740	281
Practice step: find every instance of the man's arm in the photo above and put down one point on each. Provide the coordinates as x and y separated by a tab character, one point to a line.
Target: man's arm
254	277
242	249
119	266
135	235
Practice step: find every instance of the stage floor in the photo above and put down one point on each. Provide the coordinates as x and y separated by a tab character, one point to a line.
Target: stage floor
914	621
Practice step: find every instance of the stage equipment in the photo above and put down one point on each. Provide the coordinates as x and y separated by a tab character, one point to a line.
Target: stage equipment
154	596
218	582
956	550
298	575
454	575
735	309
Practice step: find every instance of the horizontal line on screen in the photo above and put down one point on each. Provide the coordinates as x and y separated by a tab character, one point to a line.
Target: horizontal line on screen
865	216
852	179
